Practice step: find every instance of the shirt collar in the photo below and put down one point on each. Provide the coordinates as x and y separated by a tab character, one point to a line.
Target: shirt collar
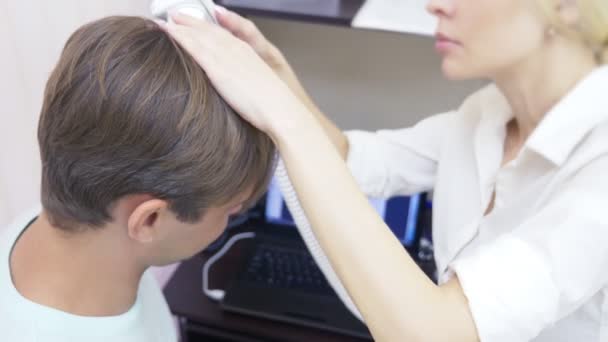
567	124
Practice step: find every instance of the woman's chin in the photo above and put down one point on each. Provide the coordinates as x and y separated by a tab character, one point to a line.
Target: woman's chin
456	72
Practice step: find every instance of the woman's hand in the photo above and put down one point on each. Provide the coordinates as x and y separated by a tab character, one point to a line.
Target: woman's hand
248	32
238	73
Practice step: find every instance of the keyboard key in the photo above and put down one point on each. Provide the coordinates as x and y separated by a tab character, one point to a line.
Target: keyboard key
276	267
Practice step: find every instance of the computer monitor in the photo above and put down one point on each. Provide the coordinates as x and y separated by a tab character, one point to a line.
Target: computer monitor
400	213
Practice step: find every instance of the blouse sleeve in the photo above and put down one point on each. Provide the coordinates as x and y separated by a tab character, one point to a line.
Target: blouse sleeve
546	268
398	162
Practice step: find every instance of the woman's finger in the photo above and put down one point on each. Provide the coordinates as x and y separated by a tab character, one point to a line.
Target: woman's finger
228	19
181	35
239	26
187	37
192	22
248	32
187	20
206	31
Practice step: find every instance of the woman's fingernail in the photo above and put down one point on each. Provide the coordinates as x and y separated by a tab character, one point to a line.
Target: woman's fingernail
220	9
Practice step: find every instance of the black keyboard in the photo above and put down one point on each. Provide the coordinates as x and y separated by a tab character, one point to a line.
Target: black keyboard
276	267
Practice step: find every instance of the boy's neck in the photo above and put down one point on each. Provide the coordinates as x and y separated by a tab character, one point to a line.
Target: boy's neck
89	273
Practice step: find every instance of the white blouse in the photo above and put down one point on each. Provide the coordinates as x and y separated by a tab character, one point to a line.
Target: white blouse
536	267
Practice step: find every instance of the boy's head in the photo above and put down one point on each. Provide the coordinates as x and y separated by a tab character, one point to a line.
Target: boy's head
133	135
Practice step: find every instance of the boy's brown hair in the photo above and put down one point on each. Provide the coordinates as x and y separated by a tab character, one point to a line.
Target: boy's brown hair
128	111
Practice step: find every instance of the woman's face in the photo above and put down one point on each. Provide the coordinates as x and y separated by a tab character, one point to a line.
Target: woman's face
484	38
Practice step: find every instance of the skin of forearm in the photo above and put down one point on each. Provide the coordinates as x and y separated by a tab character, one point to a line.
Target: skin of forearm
397	299
338	139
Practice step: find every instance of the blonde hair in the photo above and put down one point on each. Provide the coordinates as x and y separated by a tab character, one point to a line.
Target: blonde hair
593	25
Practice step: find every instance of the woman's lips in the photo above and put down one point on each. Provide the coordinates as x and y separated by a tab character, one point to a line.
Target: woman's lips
444	44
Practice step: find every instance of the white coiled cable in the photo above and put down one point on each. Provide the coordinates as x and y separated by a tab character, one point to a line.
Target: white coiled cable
297	212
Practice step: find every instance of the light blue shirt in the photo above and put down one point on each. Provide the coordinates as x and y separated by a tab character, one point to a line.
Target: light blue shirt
148	320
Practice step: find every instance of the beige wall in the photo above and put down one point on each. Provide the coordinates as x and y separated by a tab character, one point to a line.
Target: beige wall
362	79
32	35
367	79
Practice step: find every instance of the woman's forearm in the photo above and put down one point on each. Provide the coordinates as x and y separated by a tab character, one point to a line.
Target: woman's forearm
337	137
397	300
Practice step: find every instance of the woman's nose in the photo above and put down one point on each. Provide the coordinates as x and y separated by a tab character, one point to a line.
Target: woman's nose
441	8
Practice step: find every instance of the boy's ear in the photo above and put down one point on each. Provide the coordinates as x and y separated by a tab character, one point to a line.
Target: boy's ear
143	224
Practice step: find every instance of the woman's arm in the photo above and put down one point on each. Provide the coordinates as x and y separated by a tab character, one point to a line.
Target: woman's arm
247	31
398	301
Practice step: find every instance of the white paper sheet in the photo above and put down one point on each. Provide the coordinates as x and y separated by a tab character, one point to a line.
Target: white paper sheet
408	16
